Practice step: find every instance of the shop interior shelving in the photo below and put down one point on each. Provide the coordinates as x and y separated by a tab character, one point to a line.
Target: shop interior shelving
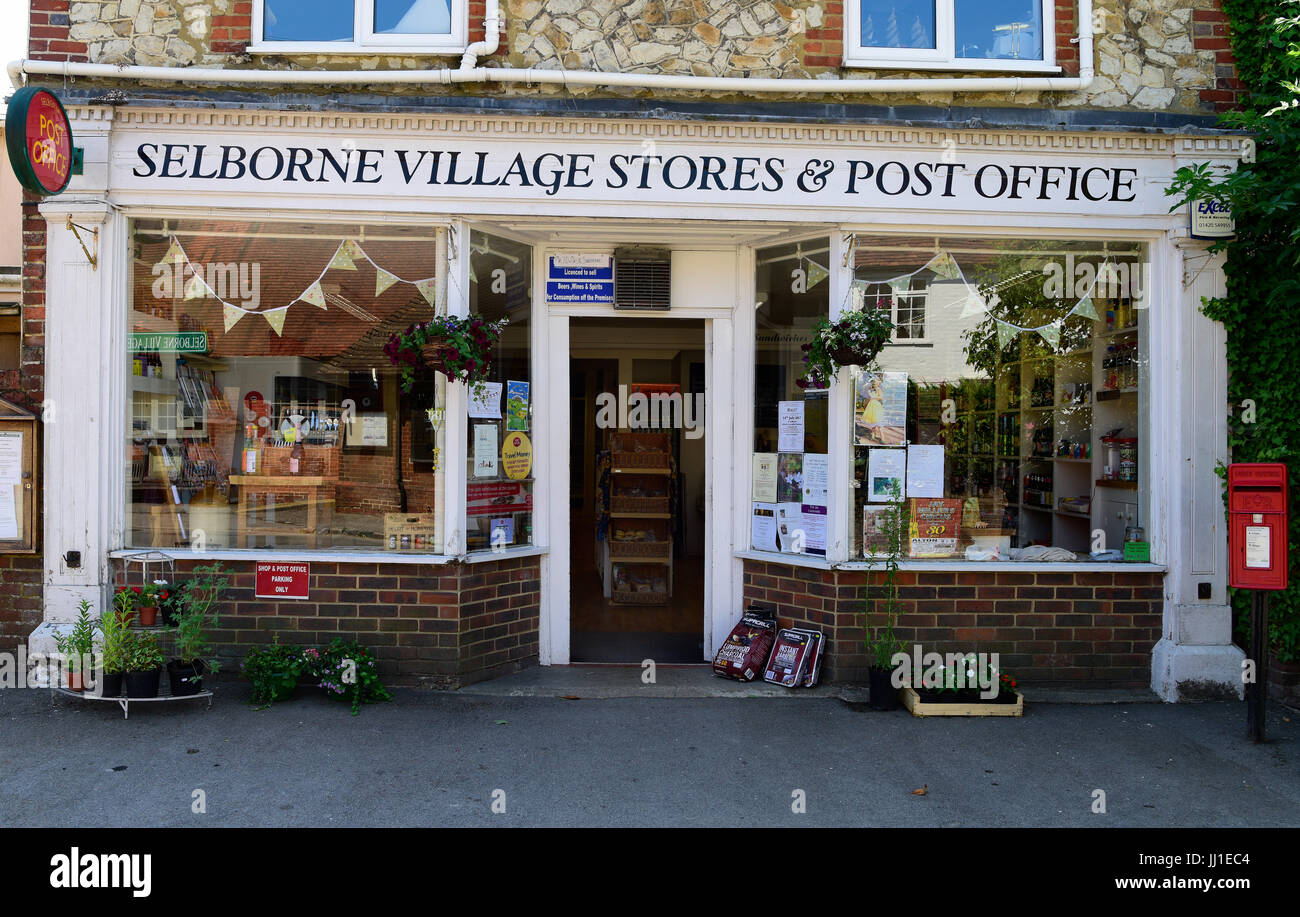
637	562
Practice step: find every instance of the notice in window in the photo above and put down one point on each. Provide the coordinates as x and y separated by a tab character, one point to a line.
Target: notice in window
885	469
485	400
764	477
11	458
485	450
925	471
790	426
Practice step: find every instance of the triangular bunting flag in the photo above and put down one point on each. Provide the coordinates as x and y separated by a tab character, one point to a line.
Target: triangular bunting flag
354	250
1051	334
1006	334
1086	309
314	295
816	274
944	265
858	295
900	286
342	261
275	318
973	305
175	254
195	288
428	288
473	275
232	315
383	280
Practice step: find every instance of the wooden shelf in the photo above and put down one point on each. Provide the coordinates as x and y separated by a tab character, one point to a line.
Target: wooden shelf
659	471
1111	482
640	515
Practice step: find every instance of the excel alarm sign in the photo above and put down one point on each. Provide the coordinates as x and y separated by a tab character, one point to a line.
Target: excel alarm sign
39	139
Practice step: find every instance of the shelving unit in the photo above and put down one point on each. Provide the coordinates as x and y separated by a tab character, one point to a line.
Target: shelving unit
638	554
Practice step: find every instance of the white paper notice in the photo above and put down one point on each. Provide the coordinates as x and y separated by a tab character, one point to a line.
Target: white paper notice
764	477
885	468
8	512
789	426
485	400
1257	547
925	471
485	450
11	458
813	520
762	530
789	527
816	478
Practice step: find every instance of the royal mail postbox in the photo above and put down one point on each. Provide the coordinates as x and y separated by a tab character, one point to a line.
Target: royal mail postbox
1257	525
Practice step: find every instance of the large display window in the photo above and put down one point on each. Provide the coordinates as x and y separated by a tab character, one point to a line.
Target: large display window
262	409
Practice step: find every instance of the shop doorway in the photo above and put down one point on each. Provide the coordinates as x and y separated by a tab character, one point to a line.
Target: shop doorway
637	507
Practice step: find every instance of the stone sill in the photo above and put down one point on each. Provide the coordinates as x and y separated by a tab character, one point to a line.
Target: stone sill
338	557
963	566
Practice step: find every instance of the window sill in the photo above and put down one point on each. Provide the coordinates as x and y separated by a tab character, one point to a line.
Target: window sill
315	50
295	554
482	557
1038	68
1005	566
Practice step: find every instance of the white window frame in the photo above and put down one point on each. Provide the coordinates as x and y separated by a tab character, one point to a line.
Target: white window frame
365	40
944	55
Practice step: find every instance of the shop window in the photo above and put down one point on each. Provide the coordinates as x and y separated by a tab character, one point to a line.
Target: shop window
950	34
499	462
791	443
342	25
1019	429
263	411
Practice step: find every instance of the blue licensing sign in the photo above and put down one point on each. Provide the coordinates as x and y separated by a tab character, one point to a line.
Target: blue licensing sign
580	278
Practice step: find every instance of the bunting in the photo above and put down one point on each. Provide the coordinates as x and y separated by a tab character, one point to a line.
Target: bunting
315	295
275	318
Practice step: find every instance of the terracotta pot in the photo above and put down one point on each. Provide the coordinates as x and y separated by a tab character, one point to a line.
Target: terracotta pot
148	615
75	682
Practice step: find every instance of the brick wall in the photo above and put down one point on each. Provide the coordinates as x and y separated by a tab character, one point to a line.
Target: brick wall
439	626
47	35
1211	33
1050	628
232	32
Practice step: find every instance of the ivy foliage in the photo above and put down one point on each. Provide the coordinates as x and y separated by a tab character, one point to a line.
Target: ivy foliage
1262	270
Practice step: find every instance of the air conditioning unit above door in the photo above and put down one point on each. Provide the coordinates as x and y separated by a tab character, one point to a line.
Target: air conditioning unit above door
643	279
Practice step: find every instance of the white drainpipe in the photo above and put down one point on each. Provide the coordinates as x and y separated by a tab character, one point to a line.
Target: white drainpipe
472	74
492	29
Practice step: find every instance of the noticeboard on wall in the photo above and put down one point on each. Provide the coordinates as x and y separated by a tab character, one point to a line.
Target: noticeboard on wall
18	480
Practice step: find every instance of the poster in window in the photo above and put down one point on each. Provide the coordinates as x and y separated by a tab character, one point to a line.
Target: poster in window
789	478
762	534
885	470
517	406
880	409
935	527
875	536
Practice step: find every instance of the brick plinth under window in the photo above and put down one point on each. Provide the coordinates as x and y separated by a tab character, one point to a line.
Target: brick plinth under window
428	626
1050	628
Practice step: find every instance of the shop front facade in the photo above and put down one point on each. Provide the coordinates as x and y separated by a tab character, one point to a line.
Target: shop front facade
655	203
1048	393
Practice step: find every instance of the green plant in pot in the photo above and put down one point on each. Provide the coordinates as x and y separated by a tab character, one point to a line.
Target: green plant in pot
855	339
147	605
76	647
274	672
113	632
881	609
142	662
124	602
194	612
459	348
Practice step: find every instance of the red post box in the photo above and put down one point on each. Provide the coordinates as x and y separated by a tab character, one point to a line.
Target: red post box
1257	525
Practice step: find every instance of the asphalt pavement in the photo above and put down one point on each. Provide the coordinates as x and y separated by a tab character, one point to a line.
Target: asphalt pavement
449	759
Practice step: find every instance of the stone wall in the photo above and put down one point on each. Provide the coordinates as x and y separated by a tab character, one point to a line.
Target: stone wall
1151	55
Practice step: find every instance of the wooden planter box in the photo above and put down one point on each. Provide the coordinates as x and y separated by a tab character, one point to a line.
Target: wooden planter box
912	701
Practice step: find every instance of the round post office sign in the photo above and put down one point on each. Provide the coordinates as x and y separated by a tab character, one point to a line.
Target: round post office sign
39	139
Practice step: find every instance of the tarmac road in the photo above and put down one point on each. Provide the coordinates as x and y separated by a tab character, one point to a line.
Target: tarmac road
439	759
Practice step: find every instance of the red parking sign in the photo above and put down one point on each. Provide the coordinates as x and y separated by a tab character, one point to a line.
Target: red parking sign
281	580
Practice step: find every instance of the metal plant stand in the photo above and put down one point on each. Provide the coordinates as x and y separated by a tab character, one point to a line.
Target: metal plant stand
125	702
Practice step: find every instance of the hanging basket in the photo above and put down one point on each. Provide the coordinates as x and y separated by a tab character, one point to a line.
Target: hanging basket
459	348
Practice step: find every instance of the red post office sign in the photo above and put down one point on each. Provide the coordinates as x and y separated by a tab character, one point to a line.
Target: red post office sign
282	580
39	139
1257	525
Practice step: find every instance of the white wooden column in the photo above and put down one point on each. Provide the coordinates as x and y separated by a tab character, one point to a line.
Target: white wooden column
722	456
551	518
1195	658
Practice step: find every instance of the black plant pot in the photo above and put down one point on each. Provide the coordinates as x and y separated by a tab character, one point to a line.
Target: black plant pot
884	696
143	684
110	684
185	679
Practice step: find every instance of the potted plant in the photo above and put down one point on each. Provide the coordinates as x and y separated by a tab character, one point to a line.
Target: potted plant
124	602
274	672
141	664
347	672
882	642
959	690
76	646
147	605
168	603
113	632
855	340
193	612
459	348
